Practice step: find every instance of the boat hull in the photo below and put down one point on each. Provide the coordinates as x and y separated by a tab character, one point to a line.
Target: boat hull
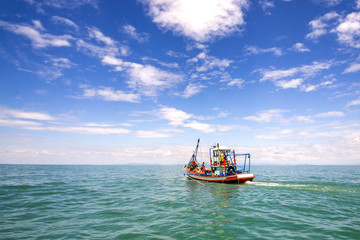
236	178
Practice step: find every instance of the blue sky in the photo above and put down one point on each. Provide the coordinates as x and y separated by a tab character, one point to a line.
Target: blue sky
114	82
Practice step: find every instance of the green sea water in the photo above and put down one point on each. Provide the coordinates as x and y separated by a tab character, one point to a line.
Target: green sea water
158	202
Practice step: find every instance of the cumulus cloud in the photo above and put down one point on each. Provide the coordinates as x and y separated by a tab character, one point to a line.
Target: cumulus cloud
205	62
200	20
64	21
146	79
202	127
299	47
252	50
149	80
320	26
313	87
105	45
293	83
176	54
159	133
39	121
81	130
108	94
277	115
36	35
174	116
330	114
131	31
235	82
13	113
285	78
192	89
266	4
354	67
61	4
328	3
267	116
54	68
353	103
346	28
179	118
100	37
348	31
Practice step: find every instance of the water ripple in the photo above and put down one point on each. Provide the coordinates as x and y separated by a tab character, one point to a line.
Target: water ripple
157	202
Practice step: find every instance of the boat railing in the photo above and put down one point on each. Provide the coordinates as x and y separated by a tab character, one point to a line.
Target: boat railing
246	167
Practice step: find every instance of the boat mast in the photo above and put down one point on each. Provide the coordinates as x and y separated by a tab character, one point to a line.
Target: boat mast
193	159
197	147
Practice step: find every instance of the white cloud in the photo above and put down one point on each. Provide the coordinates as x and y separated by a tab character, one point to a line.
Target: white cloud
131	31
293	83
109	60
353	103
301	73
202	127
305	71
238	82
148	79
330	114
299	47
192	89
63	63
62	4
178	118
109	47
176	54
207	62
267	116
266	4
328	3
151	134
252	50
13	113
100	37
311	87
164	64
53	68
320	25
354	67
101	51
174	116
348	30
38	25
65	21
18	123
35	35
109	94
38	121
276	115
200	20
81	130
160	133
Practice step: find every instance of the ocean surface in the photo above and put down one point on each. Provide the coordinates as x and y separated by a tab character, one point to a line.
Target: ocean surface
158	202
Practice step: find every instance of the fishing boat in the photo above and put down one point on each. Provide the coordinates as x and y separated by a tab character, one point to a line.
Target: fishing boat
223	166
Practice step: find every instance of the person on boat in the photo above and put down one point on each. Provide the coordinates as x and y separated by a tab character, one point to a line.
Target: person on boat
203	167
222	156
